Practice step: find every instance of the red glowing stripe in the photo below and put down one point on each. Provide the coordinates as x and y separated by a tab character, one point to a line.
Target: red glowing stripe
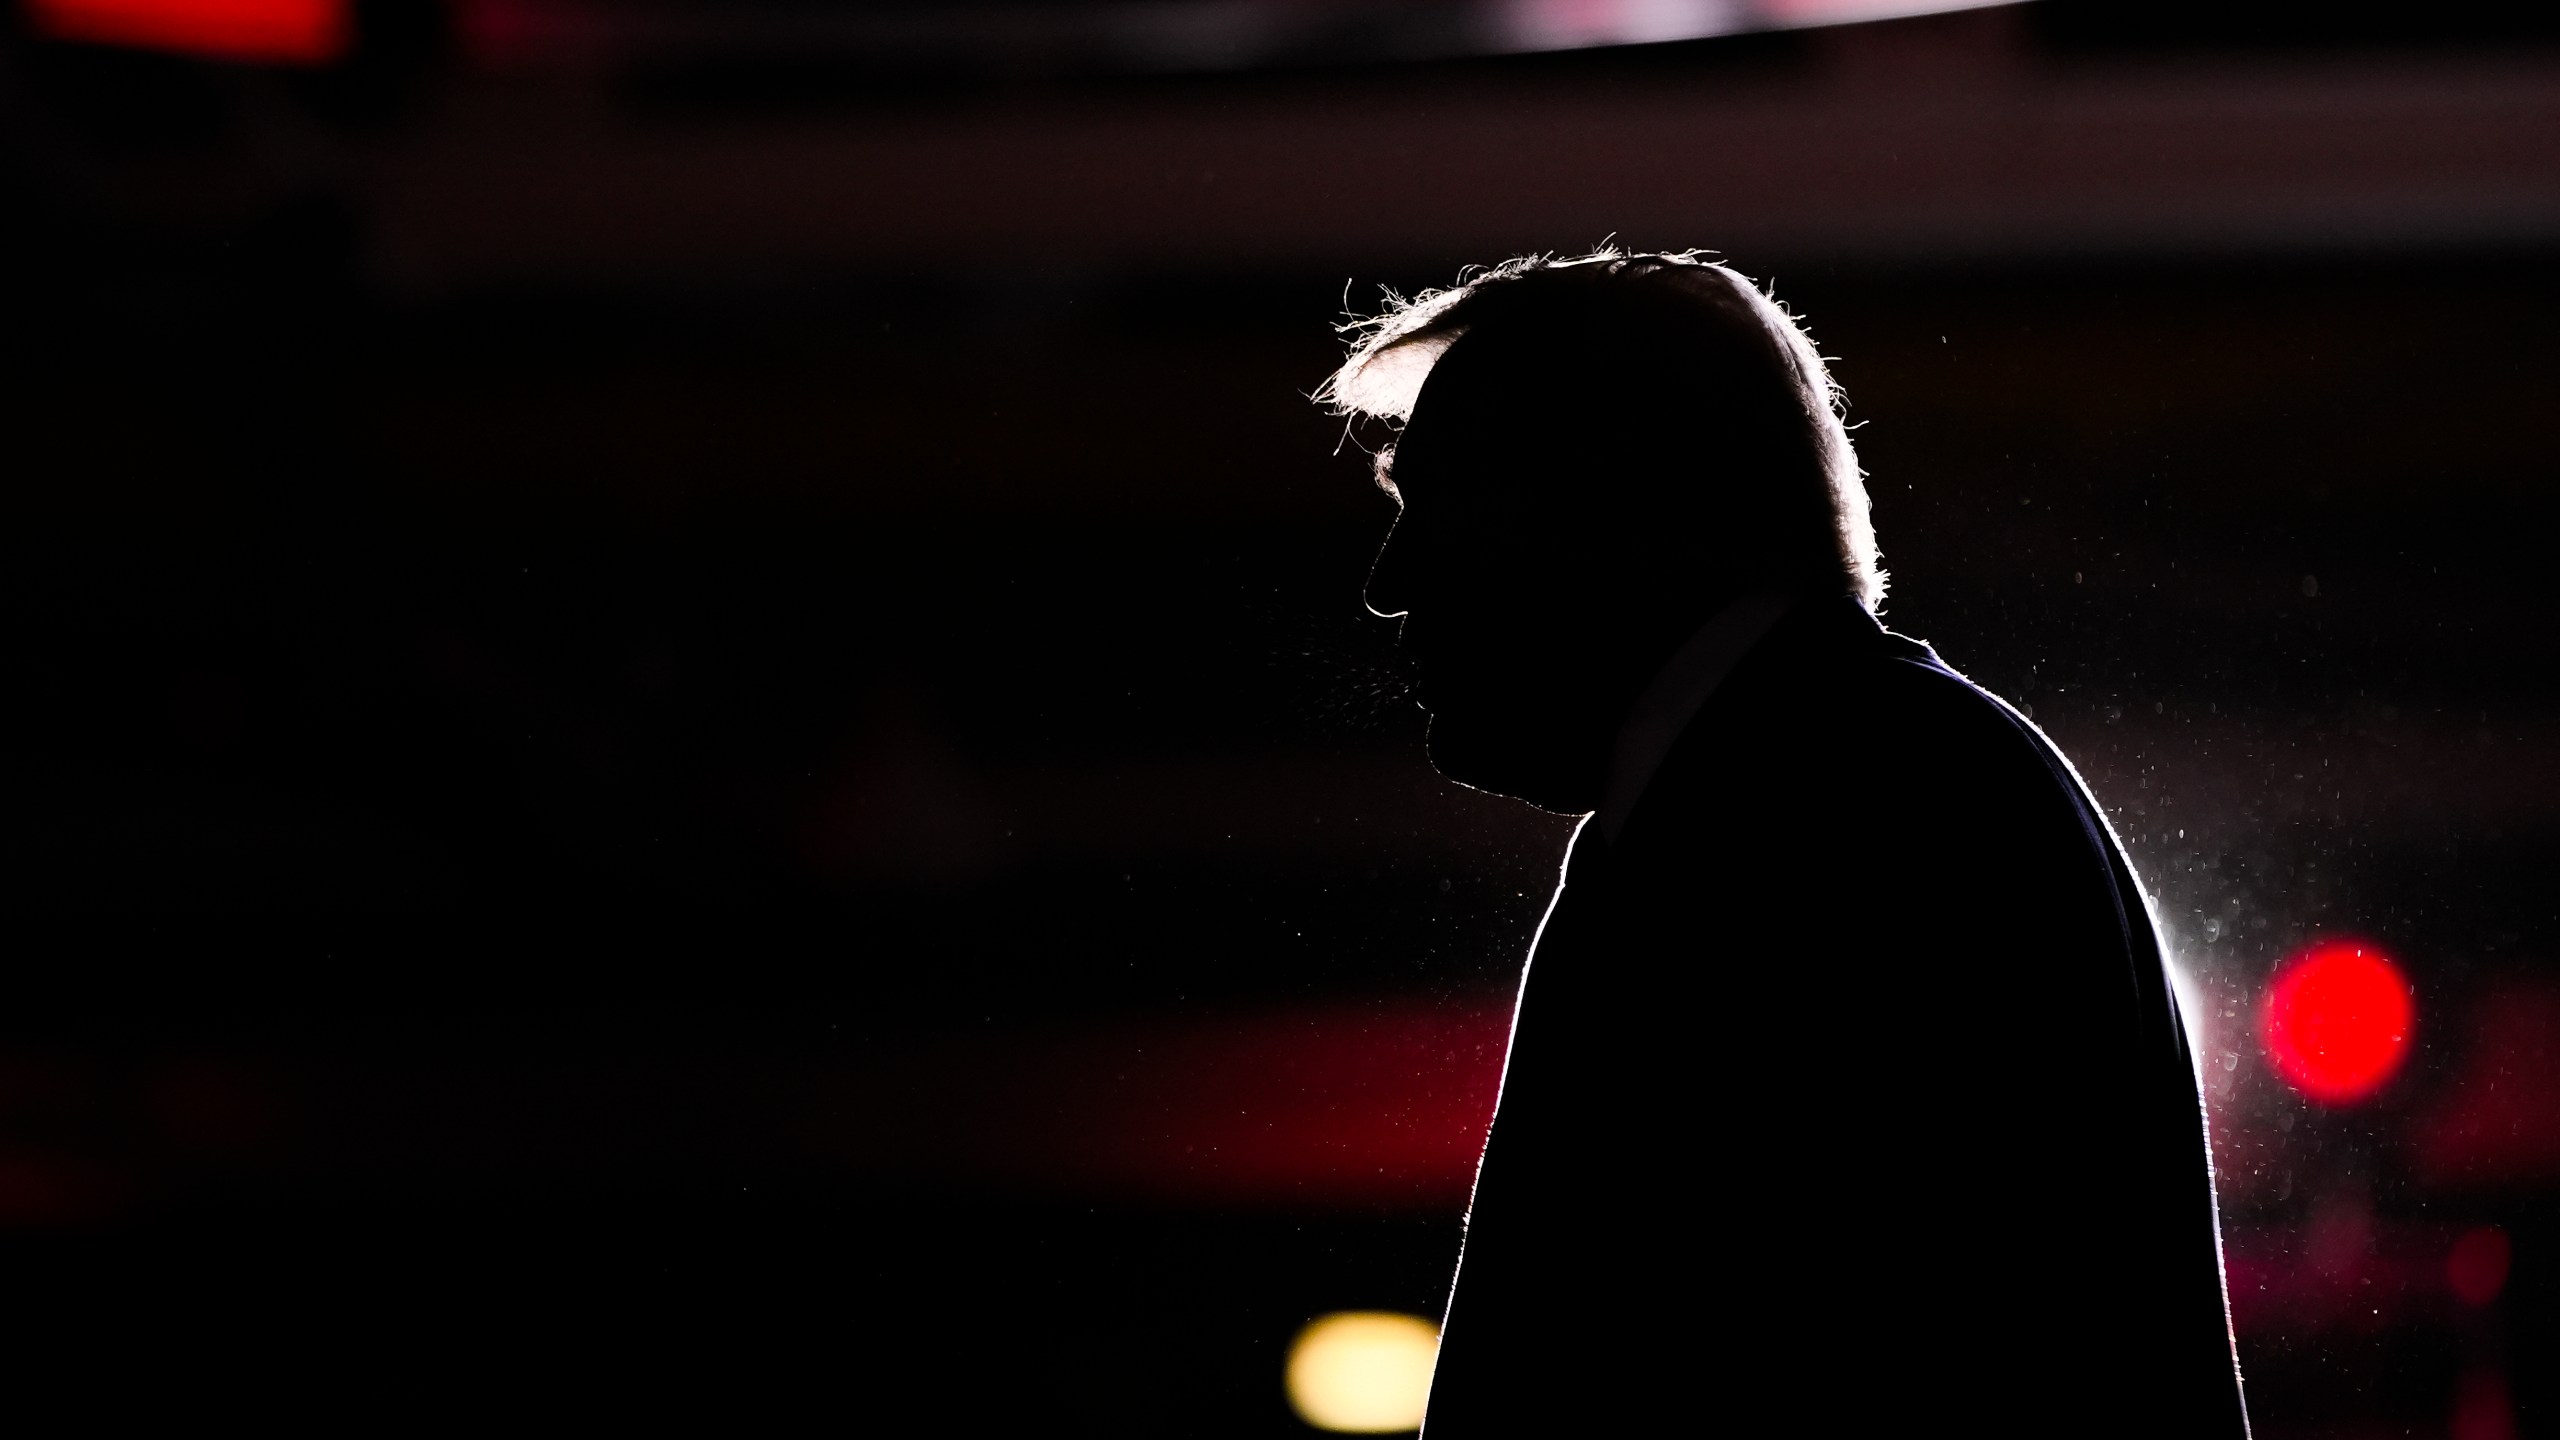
1374	1104
276	32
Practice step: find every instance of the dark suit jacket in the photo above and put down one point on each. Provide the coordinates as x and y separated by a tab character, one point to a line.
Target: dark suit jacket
1847	1096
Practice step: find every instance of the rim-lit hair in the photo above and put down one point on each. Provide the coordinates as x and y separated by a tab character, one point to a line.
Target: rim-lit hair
1392	353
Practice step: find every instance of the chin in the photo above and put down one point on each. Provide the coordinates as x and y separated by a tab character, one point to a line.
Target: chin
1499	764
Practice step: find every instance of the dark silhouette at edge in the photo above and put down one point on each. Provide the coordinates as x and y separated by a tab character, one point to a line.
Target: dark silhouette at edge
1847	1089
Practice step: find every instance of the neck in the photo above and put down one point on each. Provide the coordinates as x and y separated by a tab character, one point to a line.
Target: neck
1555	748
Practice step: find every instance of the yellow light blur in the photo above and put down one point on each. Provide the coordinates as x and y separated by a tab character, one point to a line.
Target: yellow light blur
1366	1372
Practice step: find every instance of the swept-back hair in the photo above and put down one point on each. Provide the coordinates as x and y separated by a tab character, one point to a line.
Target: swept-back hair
1732	370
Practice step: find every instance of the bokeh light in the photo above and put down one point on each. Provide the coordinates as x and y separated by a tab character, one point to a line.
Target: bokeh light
1364	1372
2477	1269
275	32
2336	1021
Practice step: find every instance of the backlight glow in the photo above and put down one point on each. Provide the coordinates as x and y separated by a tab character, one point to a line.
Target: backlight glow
2336	1021
1363	1372
276	32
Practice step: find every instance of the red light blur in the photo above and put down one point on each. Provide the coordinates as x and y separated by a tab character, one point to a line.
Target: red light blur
2336	1021
2497	1123
2482	1407
275	32
2477	1268
1372	1103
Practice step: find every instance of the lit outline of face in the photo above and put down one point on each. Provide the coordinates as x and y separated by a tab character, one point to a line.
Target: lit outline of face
1504	602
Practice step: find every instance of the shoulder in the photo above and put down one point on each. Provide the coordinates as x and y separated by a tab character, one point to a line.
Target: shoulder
1937	724
1895	751
1921	695
1876	698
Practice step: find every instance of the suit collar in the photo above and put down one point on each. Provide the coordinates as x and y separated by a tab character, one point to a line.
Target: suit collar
1814	631
1679	690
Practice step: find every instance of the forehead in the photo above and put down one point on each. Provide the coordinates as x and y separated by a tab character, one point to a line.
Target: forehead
1485	425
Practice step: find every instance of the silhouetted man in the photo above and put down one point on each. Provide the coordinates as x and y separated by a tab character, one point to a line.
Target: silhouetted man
1847	1094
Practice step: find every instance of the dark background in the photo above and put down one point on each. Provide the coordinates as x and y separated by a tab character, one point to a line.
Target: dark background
689	732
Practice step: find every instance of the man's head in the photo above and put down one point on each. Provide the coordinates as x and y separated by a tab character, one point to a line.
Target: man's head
1596	454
